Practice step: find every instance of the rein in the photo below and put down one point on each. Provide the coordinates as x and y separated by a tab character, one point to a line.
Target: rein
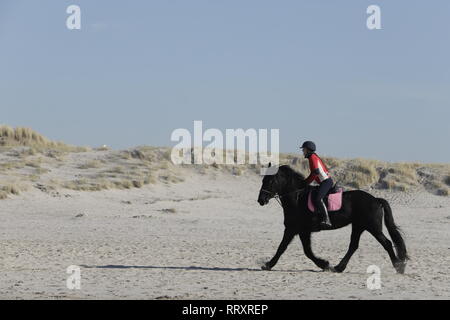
278	197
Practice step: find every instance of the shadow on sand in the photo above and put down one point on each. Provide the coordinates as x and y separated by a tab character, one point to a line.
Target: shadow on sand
191	268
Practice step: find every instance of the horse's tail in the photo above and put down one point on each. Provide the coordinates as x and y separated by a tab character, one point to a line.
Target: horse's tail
394	230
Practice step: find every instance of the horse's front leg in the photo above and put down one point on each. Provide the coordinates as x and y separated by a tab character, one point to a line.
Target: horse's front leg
306	242
287	238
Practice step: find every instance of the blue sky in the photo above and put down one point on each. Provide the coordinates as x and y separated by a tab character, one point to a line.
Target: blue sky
137	70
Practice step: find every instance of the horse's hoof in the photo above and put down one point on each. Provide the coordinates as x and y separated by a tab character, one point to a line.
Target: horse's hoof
400	267
329	269
338	269
265	267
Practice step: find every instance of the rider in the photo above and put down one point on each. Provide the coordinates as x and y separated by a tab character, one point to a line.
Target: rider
319	173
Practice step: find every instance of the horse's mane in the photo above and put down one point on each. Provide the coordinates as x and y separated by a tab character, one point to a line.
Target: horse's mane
291	172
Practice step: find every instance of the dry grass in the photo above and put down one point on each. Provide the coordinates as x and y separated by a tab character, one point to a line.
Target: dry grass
115	170
333	163
12	165
365	173
10	189
399	176
147	154
23	152
170	178
23	137
437	187
87	185
13	188
98	182
360	173
137	167
58	155
352	173
92	164
27	137
22	149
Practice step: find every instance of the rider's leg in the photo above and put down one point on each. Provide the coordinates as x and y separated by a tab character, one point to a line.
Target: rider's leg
325	186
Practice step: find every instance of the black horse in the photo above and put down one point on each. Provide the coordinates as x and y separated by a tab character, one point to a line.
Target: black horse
360	209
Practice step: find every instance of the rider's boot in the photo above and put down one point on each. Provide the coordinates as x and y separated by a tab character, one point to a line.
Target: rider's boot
325	219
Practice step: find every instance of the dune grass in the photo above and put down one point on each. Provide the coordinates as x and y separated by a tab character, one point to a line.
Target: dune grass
12	188
92	164
20	136
360	173
24	152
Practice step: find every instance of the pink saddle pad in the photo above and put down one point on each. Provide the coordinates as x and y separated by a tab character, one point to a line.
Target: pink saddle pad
334	201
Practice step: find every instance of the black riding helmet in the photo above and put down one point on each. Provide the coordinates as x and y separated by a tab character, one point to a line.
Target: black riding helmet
310	145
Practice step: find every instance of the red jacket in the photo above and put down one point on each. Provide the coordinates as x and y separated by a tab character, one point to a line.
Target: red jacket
319	171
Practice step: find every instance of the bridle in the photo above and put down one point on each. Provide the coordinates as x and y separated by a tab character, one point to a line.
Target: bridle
278	196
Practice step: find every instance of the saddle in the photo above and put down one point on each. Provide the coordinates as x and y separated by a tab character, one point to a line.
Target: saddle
333	199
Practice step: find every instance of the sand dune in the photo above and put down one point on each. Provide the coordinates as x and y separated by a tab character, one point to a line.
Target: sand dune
141	228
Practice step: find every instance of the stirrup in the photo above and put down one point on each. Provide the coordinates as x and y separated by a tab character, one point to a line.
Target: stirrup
326	223
325	218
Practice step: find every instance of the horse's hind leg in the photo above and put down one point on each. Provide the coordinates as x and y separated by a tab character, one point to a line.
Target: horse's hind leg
387	245
306	242
354	243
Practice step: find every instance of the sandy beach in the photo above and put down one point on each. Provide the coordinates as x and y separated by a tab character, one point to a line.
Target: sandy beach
204	238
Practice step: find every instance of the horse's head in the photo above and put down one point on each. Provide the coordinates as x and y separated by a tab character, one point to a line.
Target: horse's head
279	184
269	189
